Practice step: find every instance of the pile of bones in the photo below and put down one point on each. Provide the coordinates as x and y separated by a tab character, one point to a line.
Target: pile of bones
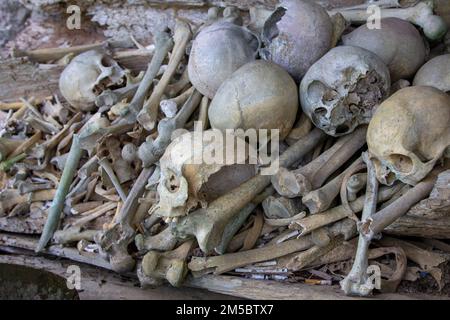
362	116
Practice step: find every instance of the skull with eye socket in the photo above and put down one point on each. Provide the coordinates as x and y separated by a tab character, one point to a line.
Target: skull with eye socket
409	134
87	76
342	89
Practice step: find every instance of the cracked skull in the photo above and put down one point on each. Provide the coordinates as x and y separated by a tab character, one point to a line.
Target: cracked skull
341	90
196	169
296	35
217	51
409	133
86	76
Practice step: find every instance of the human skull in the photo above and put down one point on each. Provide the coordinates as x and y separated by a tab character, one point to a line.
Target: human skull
296	35
397	43
435	73
409	133
341	90
217	51
259	95
86	76
188	179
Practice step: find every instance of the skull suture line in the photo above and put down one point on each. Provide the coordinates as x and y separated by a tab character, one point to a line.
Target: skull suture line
341	90
409	133
86	76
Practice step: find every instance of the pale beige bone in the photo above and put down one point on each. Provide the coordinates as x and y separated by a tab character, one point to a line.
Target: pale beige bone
301	181
357	281
232	261
228	262
404	144
421	15
372	223
355	184
114	241
207	224
321	199
163	43
75	233
162	241
178	100
203	113
148	115
313	222
281	207
169	265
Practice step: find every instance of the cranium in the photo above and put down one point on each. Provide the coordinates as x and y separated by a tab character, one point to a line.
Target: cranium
86	76
397	43
435	73
341	90
217	51
409	133
189	179
296	35
259	95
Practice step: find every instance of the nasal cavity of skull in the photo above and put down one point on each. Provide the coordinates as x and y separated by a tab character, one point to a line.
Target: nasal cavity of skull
401	163
172	183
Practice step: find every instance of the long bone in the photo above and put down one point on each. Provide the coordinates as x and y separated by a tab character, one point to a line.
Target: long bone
169	265
162	241
117	239
163	44
232	261
109	97
357	281
320	200
150	151
421	15
147	117
207	224
316	221
74	232
310	177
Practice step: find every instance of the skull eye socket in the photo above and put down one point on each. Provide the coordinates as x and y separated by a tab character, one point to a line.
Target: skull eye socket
401	163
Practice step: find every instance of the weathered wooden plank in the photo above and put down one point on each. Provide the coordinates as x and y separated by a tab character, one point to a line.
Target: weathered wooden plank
22	78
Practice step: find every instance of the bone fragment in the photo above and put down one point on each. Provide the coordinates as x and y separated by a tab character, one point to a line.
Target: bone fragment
329	216
162	241
321	199
169	265
421	15
104	163
310	177
147	117
163	44
207	224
